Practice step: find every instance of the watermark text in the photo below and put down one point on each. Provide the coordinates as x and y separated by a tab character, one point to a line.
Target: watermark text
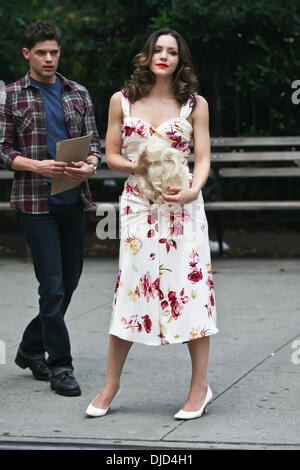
2	352
296	354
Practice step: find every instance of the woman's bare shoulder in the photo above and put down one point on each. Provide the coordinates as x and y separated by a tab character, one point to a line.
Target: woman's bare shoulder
115	104
201	109
201	101
116	97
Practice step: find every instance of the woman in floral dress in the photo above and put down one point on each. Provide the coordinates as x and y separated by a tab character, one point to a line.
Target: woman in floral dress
164	292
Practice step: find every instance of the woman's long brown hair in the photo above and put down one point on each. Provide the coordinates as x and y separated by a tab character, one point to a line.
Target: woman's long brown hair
184	83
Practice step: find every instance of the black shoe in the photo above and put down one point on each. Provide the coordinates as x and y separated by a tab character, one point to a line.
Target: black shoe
38	367
65	384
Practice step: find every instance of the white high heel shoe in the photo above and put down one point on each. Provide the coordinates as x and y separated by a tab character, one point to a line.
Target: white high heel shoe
196	414
97	412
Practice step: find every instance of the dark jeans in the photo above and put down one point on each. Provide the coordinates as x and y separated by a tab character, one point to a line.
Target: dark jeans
56	243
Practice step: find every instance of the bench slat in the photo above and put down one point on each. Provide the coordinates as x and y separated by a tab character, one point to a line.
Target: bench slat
254	156
254	141
210	206
103	173
232	205
5	206
246	141
6	175
258	172
252	205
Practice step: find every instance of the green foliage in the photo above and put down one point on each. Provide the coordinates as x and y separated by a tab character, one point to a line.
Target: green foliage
245	52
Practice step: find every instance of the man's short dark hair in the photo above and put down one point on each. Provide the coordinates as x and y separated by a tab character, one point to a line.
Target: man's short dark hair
40	31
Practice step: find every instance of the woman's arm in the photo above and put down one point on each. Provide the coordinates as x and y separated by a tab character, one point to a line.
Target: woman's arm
200	120
200	123
114	158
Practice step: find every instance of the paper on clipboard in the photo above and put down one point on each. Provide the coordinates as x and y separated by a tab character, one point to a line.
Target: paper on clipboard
70	150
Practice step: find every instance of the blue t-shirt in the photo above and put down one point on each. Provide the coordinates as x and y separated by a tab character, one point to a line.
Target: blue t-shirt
56	130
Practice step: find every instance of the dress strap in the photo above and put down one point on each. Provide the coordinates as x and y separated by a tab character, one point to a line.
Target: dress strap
187	108
125	104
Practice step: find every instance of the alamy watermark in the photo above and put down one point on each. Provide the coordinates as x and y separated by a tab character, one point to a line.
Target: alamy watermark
296	354
296	95
2	352
165	222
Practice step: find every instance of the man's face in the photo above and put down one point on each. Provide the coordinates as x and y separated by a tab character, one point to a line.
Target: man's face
43	60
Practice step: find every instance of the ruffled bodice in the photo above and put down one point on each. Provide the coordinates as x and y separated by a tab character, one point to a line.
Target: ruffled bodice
177	131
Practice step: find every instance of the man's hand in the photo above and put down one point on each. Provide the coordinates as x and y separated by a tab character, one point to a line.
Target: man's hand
50	168
79	172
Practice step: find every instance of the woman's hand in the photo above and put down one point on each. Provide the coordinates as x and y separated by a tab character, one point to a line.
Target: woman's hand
79	172
181	195
141	165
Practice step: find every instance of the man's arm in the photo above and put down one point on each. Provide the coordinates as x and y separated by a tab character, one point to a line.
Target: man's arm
89	125
81	170
48	168
10	157
7	132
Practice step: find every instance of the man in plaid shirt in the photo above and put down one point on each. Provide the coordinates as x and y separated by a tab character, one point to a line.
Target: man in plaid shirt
39	110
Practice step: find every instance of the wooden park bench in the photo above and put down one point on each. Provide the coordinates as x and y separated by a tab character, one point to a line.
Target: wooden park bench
231	157
252	157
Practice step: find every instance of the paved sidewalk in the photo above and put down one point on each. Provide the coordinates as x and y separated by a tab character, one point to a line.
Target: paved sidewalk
253	368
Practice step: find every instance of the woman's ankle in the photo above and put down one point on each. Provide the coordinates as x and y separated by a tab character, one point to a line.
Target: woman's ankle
198	389
111	387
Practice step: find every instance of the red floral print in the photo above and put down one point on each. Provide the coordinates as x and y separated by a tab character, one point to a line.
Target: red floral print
210	284
198	333
175	303
210	281
128	130
140	128
127	210
147	323
147	287
152	219
156	286
175	134
178	217
195	276
169	243
151	233
118	281
134	324
132	189
137	128
163	339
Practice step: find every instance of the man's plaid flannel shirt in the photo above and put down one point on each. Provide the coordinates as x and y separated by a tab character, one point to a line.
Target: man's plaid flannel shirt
23	132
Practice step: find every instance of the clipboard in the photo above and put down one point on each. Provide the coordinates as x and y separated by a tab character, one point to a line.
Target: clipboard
70	150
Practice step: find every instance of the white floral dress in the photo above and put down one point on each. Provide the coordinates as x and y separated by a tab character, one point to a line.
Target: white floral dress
164	292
